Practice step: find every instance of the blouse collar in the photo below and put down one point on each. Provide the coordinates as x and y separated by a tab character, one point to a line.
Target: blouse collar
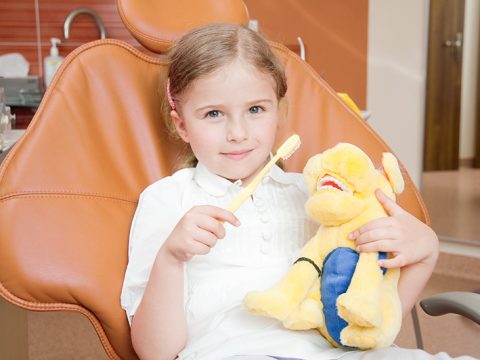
218	186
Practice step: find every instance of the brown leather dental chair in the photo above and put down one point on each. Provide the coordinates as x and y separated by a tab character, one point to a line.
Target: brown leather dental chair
69	187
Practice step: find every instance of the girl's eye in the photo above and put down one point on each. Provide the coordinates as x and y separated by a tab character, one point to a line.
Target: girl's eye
255	109
213	113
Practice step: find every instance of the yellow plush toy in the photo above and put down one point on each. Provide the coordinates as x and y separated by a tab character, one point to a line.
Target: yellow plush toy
345	295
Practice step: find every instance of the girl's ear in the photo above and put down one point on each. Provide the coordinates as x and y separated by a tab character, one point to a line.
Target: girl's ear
179	125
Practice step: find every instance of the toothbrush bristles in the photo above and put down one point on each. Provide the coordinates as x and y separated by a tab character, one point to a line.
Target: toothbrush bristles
288	147
290	153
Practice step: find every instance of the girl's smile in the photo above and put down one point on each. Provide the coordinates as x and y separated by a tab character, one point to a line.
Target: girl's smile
237	155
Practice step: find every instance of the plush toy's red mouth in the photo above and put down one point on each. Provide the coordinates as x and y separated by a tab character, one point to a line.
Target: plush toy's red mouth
328	182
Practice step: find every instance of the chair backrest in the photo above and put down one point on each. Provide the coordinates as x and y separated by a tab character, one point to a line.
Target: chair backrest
69	188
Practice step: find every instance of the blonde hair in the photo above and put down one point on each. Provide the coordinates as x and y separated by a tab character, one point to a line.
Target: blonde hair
206	49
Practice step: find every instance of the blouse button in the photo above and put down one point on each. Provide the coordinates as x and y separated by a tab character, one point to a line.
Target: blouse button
264	249
266	235
261	209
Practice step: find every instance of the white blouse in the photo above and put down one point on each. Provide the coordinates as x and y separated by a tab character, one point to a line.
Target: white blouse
253	256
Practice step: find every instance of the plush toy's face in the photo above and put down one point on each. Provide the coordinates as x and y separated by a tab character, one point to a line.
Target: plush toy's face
342	181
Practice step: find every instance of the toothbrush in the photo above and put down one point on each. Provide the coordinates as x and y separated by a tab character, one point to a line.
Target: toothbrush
284	152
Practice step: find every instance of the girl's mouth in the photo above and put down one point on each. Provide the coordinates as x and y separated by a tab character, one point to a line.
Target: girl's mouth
237	155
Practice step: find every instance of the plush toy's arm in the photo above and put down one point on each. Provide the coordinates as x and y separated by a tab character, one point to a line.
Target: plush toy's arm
361	303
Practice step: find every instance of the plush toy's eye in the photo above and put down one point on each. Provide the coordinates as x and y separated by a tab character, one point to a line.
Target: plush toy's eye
332	183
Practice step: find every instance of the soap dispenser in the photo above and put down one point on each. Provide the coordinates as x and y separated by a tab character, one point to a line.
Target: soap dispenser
52	62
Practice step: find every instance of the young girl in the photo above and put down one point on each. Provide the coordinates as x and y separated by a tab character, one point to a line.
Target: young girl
191	262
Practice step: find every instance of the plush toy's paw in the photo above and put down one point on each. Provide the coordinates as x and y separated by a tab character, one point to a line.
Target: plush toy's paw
358	310
307	316
268	303
361	338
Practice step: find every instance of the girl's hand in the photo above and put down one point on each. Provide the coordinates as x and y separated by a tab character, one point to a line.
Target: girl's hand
402	234
197	232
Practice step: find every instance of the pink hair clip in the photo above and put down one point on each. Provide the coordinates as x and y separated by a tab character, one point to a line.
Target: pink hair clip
169	96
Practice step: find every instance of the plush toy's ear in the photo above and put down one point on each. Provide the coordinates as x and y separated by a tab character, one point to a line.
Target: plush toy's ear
393	173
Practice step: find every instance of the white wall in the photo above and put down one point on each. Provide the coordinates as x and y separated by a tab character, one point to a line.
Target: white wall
469	79
396	77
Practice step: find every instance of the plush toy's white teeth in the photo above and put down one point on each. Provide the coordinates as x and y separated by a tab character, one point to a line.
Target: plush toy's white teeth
332	183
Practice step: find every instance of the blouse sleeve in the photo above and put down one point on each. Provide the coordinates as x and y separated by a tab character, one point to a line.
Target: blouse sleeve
157	213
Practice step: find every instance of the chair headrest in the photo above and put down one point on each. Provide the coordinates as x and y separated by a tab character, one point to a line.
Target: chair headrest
157	24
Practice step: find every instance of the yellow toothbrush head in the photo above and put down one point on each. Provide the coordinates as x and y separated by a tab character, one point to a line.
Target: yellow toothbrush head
289	147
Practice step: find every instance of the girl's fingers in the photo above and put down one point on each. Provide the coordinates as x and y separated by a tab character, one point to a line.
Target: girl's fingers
377	246
219	214
376	235
396	262
371	225
205	237
390	206
199	248
211	225
201	227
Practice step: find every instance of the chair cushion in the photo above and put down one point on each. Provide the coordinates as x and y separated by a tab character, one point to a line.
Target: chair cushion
157	24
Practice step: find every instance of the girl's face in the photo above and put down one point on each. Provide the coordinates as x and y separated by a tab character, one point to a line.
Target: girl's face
230	119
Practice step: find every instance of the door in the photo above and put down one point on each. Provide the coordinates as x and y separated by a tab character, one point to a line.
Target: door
444	79
477	133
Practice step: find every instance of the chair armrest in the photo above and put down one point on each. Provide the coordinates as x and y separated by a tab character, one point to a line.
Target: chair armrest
457	302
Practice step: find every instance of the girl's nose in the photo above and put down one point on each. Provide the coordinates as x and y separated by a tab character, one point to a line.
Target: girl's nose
237	129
